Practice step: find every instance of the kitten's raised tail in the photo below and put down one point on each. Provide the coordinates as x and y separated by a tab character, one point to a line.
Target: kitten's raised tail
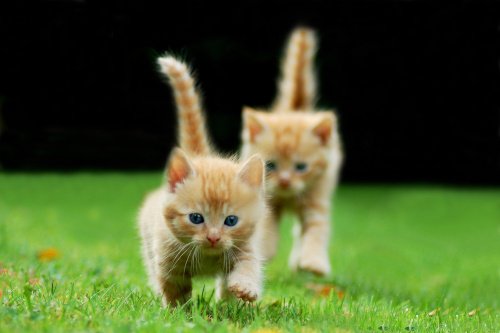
193	136
297	85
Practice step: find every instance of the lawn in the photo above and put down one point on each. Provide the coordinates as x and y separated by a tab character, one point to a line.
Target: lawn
406	258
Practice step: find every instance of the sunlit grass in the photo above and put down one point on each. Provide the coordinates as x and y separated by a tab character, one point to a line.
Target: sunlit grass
405	258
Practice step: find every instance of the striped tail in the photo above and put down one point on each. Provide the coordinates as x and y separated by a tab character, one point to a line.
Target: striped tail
193	137
297	85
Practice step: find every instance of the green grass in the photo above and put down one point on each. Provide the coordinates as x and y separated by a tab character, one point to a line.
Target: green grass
398	253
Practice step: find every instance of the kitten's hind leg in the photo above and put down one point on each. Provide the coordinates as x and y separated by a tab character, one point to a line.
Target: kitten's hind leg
175	290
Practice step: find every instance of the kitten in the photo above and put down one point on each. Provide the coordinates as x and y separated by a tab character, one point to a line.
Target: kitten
303	153
204	221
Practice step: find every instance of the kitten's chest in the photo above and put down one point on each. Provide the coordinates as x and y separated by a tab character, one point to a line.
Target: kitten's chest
211	265
284	203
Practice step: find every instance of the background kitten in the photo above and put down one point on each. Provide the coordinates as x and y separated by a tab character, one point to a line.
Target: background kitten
303	155
204	221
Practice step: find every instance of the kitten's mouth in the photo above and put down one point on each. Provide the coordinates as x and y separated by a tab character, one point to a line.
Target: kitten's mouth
281	192
208	249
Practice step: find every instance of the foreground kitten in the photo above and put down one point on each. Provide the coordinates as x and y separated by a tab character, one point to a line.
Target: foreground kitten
204	221
303	155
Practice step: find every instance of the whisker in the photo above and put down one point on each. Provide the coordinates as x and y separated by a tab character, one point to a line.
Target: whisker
179	254
189	256
226	263
199	261
179	249
235	258
241	250
196	260
192	260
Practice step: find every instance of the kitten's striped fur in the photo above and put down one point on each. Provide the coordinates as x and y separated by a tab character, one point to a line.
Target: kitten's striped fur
174	248
297	85
193	137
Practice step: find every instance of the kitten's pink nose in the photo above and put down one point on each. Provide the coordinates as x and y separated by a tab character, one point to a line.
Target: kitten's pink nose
213	239
284	179
284	182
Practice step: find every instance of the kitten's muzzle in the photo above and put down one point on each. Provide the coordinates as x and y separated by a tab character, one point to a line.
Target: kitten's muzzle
213	239
284	181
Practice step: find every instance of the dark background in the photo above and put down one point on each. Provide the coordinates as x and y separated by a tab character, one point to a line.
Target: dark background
416	84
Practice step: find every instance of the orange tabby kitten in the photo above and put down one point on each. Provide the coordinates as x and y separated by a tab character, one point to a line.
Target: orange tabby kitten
303	153
204	221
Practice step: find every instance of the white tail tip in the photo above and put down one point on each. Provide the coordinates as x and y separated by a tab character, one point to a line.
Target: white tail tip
170	65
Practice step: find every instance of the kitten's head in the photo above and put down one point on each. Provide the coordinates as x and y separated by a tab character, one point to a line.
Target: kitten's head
295	146
216	203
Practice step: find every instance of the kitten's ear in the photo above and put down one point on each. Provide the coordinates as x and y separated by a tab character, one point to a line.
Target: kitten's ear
179	168
324	128
252	172
252	125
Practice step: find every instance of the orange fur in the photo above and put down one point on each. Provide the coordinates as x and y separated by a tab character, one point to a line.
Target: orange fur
174	248
297	86
193	137
303	151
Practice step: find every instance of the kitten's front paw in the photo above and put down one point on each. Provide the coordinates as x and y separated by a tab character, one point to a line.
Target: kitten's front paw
314	264
244	292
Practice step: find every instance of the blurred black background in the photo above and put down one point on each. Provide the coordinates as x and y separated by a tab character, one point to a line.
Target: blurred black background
416	84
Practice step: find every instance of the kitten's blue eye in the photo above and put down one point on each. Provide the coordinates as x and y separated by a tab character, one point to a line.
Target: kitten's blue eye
231	220
270	166
196	218
301	166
